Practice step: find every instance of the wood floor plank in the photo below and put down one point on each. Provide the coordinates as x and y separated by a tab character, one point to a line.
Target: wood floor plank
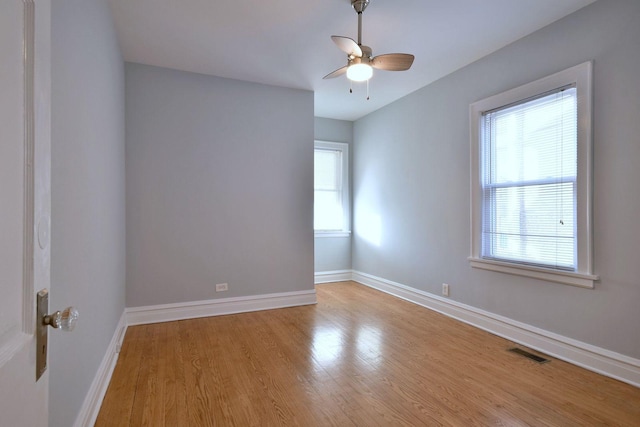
118	402
147	405
357	358
172	363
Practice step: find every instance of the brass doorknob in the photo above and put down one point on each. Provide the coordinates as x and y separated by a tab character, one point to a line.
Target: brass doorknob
65	320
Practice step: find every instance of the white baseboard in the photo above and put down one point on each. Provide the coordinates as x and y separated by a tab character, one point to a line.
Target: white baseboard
332	276
602	361
93	400
217	307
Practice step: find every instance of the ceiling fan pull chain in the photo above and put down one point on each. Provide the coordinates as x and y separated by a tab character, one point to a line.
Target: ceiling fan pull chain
350	86
367	90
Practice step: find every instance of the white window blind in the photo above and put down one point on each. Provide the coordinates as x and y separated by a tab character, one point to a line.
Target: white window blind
328	190
528	181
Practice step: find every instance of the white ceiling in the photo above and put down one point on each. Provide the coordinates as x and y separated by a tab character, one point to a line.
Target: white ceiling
287	42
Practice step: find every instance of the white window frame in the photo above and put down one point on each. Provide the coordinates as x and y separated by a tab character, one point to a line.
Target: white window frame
581	77
346	222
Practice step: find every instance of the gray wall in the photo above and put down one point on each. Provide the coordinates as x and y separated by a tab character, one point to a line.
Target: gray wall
334	253
219	187
88	196
411	173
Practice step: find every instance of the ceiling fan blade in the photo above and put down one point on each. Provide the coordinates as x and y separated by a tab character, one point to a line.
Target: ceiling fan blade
336	73
347	45
393	61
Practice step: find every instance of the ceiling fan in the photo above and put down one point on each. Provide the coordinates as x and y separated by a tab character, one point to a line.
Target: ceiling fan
360	59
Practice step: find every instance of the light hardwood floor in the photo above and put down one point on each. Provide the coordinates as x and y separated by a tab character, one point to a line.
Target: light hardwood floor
358	358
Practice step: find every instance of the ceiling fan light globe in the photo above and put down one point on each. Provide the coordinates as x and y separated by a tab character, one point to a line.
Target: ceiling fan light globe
359	72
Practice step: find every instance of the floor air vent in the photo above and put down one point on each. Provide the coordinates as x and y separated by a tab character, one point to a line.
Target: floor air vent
528	355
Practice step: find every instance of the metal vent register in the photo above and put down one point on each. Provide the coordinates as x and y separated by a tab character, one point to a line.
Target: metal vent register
534	357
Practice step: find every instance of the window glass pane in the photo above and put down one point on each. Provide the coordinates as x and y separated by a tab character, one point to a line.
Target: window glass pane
534	140
327	170
327	213
533	224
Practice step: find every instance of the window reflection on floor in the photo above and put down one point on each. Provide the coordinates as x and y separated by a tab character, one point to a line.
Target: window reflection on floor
369	340
363	347
327	344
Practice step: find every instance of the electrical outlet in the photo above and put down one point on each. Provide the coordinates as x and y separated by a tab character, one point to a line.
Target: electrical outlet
221	287
445	289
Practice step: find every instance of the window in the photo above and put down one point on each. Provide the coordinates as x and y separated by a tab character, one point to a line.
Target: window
331	189
531	155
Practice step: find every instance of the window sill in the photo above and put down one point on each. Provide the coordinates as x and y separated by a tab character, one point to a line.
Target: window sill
565	277
322	234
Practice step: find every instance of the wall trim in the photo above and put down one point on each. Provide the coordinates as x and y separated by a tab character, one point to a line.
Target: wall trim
217	307
93	400
596	359
332	276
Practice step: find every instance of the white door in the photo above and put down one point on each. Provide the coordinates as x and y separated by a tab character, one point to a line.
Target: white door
25	164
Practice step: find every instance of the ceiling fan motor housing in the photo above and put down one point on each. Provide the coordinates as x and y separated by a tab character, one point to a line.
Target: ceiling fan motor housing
367	54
